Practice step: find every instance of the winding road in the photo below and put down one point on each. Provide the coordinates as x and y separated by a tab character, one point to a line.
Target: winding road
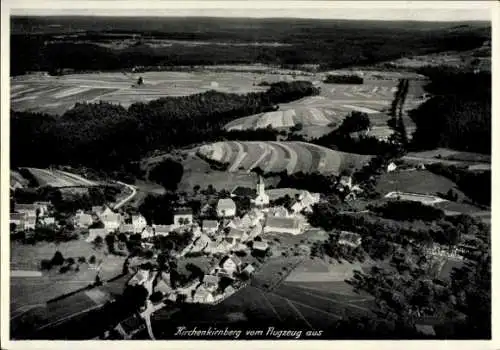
128	198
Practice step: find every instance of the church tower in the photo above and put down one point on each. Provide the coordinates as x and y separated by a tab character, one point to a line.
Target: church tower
261	187
262	198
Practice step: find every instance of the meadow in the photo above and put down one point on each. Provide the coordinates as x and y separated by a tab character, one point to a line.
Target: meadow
59	178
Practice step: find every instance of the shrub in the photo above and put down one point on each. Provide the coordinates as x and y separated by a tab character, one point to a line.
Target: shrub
46	264
82	260
57	259
64	269
92	259
70	261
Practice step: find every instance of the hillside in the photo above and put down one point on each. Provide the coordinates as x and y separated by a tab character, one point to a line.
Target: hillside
271	157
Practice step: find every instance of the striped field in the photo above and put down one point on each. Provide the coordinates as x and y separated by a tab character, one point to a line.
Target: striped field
291	157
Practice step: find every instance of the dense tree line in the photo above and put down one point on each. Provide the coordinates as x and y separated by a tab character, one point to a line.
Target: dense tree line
106	136
459	115
407	210
475	184
308	41
343	79
168	174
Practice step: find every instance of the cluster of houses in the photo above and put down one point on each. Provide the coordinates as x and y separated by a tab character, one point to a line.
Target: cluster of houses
25	217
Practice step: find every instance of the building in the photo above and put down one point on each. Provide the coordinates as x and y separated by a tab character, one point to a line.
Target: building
262	199
30	223
48	220
344	183
201	243
350	239
139	278
391	167
203	296
280	211
97	210
182	217
131	326
161	230
139	222
29	209
162	284
210	226
230	263
127	228
110	219
82	220
426	329
211	282
261	246
96	232
148	232
42	207
292	225
19	220
226	208
236	235
255	231
248	269
305	202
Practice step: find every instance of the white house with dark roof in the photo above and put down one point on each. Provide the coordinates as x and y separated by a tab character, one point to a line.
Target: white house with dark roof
226	208
260	246
292	225
211	282
183	217
203	296
126	228
19	220
210	226
161	230
305	202
237	235
230	263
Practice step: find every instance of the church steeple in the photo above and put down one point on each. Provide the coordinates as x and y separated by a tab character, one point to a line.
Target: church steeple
261	187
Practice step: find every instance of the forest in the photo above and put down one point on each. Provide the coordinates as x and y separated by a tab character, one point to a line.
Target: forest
458	116
86	43
106	136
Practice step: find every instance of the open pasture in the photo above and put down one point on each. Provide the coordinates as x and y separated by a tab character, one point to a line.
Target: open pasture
59	178
291	157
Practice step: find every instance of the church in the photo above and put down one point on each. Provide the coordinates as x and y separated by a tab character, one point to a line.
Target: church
258	196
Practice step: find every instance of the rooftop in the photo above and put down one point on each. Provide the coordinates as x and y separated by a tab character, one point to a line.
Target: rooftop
19	206
210	224
226	203
183	211
283	222
260	245
244	192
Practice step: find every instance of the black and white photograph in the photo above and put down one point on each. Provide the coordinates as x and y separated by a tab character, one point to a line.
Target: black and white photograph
222	171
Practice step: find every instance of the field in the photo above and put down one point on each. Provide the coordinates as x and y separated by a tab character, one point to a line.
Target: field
323	113
59	178
43	93
270	156
474	161
307	305
36	290
419	181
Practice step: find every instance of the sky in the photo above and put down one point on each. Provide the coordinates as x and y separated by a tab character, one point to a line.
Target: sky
367	10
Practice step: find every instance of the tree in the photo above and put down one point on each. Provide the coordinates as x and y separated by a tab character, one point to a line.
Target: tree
168	174
98	242
57	259
110	242
92	260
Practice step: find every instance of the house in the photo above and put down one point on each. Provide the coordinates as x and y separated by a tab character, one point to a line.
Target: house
203	296
96	232
237	235
230	264
147	232
255	231
110	219
261	246
345	182
305	202
425	329
210	226
19	220
30	223
29	209
350	239
226	208
280	211
48	220
292	225
126	228
97	210
201	243
248	269
82	220
162	230
139	278
139	222
244	192
391	167
42	207
131	326
211	282
183	216
229	291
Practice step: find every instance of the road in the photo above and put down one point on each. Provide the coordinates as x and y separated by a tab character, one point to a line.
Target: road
128	198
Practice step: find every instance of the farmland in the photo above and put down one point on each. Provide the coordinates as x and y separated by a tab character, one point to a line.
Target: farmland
55	95
59	178
327	110
291	157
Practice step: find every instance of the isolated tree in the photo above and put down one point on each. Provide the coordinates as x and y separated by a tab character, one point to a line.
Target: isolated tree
57	259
